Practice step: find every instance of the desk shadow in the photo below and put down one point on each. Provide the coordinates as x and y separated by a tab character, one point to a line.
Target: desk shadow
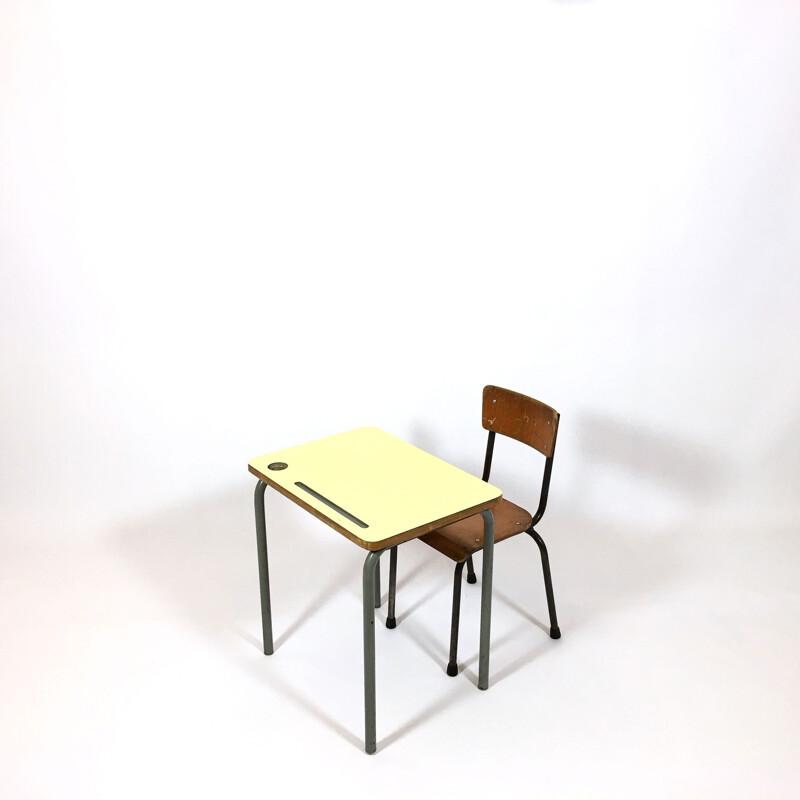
292	692
454	696
200	561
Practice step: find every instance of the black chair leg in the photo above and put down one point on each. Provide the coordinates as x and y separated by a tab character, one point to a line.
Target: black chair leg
391	621
555	633
471	571
452	666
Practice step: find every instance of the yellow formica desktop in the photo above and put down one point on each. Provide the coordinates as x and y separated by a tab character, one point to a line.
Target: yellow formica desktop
378	491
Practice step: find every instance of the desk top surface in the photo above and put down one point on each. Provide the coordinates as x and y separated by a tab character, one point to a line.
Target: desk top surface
373	488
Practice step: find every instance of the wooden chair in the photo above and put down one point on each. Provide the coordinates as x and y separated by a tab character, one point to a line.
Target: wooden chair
536	425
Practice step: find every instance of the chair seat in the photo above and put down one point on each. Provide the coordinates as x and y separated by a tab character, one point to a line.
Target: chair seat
461	539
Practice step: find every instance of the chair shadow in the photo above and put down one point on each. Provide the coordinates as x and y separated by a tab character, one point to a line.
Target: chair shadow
505	599
418	603
425	640
605	564
653	457
499	675
253	640
404	580
776	477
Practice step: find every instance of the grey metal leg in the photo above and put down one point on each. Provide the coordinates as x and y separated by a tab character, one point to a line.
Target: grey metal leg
486	598
263	568
391	620
370	572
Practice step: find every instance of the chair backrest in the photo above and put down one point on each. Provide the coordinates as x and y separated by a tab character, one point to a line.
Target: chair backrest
520	417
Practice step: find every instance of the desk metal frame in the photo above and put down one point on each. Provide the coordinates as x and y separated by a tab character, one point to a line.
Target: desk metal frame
371	599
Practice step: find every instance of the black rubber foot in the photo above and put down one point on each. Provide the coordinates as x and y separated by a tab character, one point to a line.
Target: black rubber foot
555	633
391	622
452	670
472	578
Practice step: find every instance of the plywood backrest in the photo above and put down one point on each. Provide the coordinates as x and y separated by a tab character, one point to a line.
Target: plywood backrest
520	417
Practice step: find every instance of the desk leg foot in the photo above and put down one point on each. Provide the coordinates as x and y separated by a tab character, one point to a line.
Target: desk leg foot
263	568
369	579
486	598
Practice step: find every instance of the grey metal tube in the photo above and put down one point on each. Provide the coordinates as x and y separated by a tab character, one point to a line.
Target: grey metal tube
368	589
486	598
263	568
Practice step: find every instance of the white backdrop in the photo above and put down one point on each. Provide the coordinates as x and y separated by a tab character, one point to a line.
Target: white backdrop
227	229
230	228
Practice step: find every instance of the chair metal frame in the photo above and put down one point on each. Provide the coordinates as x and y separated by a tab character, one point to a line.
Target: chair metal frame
555	632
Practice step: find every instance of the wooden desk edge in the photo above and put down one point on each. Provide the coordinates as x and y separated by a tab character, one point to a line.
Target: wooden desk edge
383	543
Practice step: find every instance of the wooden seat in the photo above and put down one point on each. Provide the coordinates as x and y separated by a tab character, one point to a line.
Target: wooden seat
460	540
530	422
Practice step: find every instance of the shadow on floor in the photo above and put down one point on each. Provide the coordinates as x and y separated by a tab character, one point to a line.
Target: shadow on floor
201	560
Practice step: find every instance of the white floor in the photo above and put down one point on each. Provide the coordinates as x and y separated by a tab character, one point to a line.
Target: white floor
131	666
